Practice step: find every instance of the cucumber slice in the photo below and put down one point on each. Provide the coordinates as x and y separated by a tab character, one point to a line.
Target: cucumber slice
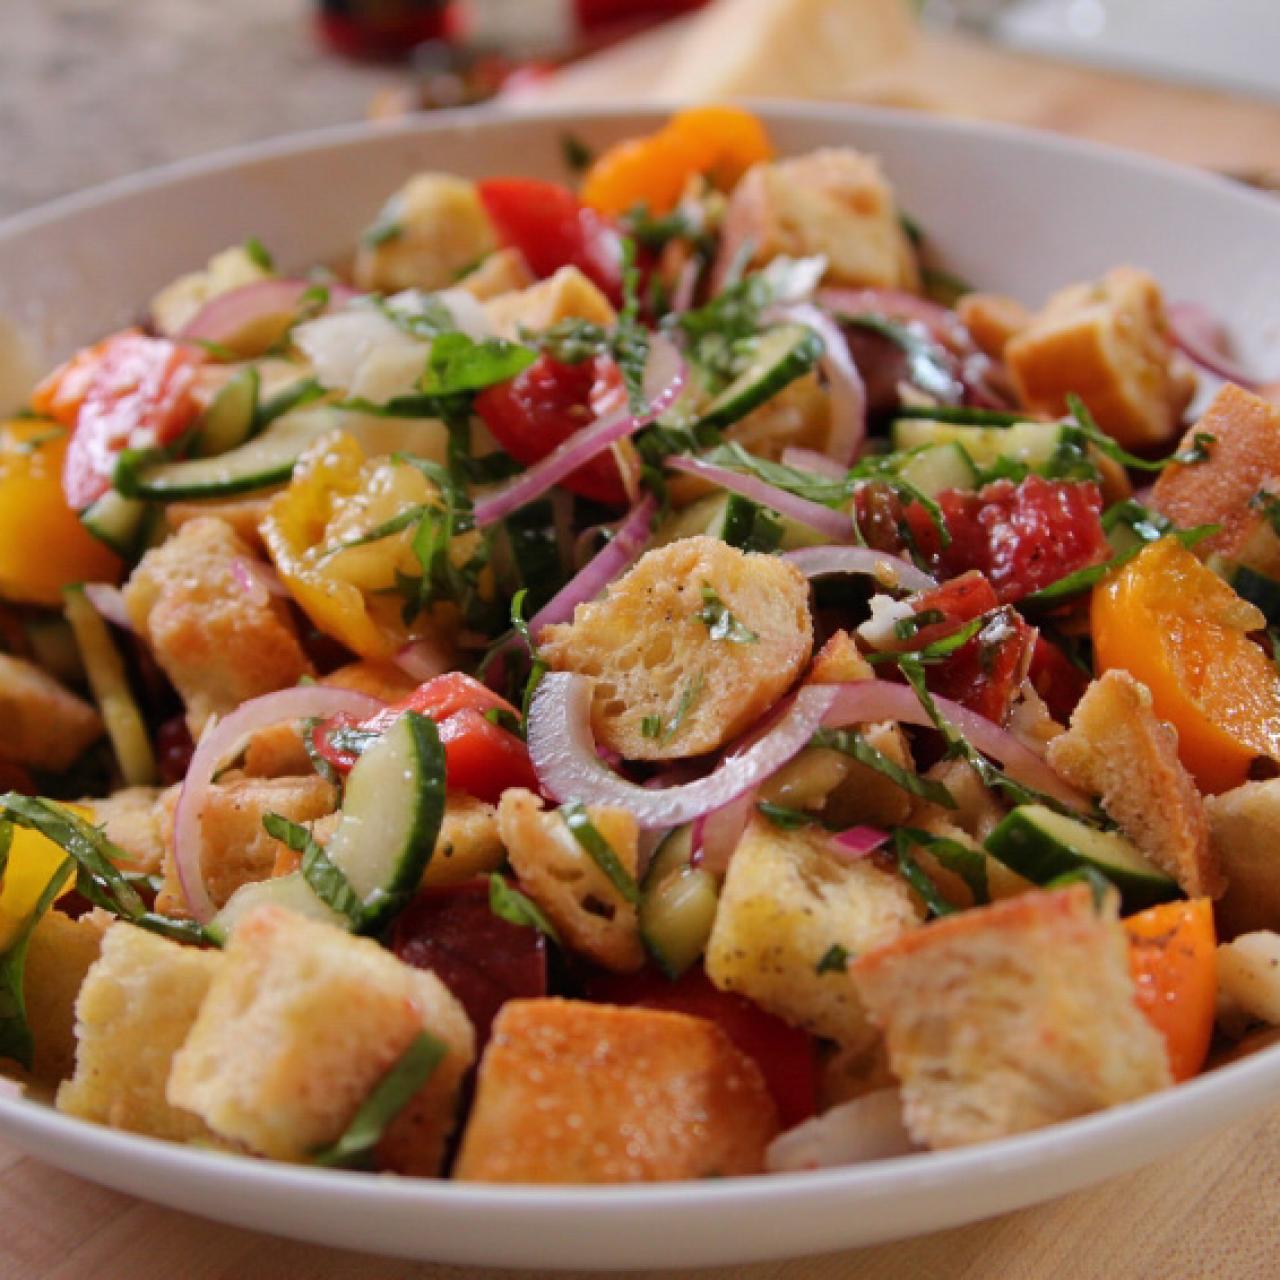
1042	845
229	420
126	729
781	356
118	521
738	521
940	467
1033	443
677	905
391	814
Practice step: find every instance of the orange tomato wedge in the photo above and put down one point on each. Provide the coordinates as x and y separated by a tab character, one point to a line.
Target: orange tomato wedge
1177	627
721	143
1172	950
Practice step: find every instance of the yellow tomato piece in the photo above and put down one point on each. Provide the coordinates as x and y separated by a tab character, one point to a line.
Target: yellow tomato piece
1177	627
43	545
33	859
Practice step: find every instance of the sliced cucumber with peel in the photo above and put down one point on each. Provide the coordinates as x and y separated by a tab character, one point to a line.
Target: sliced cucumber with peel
781	355
118	521
739	522
677	905
229	420
391	814
940	467
1032	443
1255	587
1042	845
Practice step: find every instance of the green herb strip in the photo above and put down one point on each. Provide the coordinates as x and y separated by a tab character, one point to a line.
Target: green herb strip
257	253
509	904
578	157
851	743
652	726
720	622
458	364
904	838
834	960
786	818
327	881
388	1099
927	365
960	415
601	852
1099	885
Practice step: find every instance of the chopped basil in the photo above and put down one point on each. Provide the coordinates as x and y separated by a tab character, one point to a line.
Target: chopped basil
651	727
421	315
505	719
692	692
911	229
257	253
1085	873
1090	431
328	882
538	664
969	864
578	157
655	232
915	875
943	286
292	397
396	524
458	364
382	232
318	762
787	818
826	490
834	960
1199	450
720	622
570	341
852	744
509	904
601	852
1269	504
389	1097
629	344
928	365
908	628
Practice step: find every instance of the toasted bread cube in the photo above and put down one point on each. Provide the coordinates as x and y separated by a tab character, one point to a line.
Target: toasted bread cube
1011	1017
131	818
570	1092
585	906
567	295
301	1022
219	644
1244	830
503	271
135	1009
649	645
799	415
237	848
45	726
1243	462
59	955
244	513
179	301
469	843
834	202
1117	749
993	321
787	900
434	227
1108	342
1249	977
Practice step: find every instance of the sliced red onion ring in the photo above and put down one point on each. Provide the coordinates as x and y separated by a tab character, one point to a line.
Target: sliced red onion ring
564	755
1200	338
857	842
422	660
811	460
601	569
719	832
942	324
834	524
257	580
845	386
686	287
664	379
217	744
819	562
109	602
230	313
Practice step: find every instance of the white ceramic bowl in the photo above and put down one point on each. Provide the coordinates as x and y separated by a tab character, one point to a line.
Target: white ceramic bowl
1013	211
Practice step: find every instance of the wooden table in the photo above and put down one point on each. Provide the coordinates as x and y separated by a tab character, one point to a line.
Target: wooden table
1211	1214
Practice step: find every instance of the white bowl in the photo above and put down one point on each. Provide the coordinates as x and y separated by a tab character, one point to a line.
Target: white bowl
1012	211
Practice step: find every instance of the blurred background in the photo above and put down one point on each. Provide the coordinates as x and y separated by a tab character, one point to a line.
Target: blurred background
91	89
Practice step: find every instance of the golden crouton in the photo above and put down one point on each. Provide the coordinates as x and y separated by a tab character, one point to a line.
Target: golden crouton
1118	750
567	295
1244	830
219	644
58	957
1011	1017
1108	342
833	202
570	1092
244	513
468	845
799	415
787	900
1249	978
180	300
434	227
132	819
688	649
992	320
301	1022
566	881
45	726
134	1010
237	848
1224	489
503	271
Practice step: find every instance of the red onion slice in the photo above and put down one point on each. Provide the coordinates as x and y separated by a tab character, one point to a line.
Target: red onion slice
942	324
422	660
1200	338
834	524
664	379
686	286
257	580
718	833
819	562
217	744
857	842
811	460
230	313
109	603
847	391
563	751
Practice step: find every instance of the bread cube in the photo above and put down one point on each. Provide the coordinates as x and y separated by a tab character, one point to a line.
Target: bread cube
45	725
787	900
570	1092
798	416
131	818
1243	462
1244	831
301	1022
567	295
219	644
468	845
1249	977
1117	749
503	271
136	1007
1108	342
432	229
179	301
243	512
993	321
1011	1017
666	687
585	906
834	202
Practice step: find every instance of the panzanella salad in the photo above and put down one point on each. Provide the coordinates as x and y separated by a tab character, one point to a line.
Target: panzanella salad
651	681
